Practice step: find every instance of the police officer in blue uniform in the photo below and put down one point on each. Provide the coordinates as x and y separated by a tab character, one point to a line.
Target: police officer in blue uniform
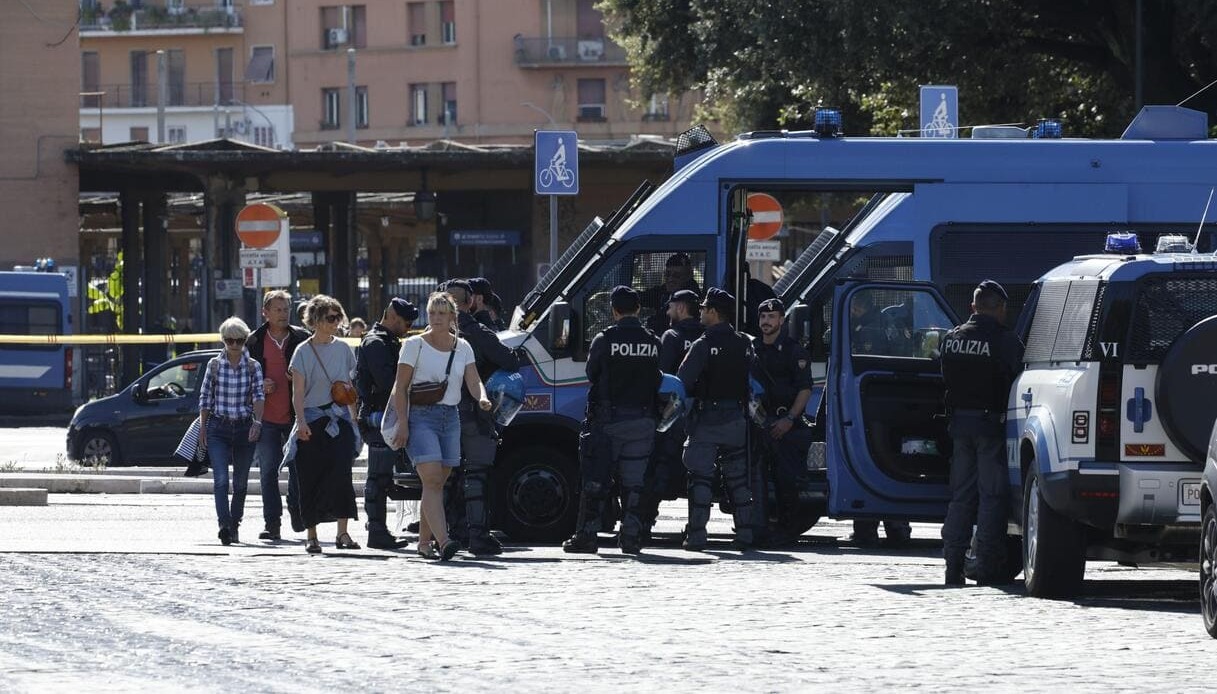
980	359
467	500
665	467
375	371
623	367
782	366
715	373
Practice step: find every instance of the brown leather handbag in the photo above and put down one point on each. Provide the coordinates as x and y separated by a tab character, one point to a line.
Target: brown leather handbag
341	392
430	392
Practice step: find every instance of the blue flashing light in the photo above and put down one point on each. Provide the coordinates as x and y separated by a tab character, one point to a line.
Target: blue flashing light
1122	242
828	122
1047	129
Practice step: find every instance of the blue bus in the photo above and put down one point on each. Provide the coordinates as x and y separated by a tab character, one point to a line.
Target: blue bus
922	220
35	379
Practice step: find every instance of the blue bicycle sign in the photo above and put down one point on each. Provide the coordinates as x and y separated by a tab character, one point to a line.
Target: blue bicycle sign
556	167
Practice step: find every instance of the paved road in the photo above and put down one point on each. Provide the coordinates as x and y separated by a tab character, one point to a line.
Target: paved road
130	592
32	448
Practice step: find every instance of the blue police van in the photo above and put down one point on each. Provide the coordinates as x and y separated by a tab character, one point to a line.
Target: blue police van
909	224
35	378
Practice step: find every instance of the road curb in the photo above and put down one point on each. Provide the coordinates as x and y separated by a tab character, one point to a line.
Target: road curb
23	496
129	484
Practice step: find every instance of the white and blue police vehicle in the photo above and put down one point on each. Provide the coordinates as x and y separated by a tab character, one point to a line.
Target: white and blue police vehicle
1109	421
37	378
916	223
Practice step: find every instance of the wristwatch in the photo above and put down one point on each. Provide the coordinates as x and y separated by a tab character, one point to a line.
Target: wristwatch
790	417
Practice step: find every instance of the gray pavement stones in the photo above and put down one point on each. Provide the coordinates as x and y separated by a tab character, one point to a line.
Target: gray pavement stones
18	496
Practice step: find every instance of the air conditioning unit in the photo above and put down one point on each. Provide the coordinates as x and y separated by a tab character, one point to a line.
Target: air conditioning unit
557	52
241	127
337	36
176	7
591	112
591	50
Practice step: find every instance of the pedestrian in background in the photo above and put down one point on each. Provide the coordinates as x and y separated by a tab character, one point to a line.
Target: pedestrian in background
326	442
358	328
980	359
426	394
375	371
272	345
231	402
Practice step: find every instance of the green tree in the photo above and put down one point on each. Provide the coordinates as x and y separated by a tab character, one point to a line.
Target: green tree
768	64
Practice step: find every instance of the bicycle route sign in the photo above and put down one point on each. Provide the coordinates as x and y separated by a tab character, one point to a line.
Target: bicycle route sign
556	167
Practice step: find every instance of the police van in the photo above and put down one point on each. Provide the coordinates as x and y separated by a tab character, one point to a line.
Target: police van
1109	422
36	378
912	223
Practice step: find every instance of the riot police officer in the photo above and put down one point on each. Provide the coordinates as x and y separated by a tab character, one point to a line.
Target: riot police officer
375	370
479	438
665	466
980	359
782	368
715	373
623	367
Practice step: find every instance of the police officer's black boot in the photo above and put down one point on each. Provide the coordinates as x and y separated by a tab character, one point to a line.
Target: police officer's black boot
375	494
631	524
454	507
741	501
591	502
481	542
700	497
954	574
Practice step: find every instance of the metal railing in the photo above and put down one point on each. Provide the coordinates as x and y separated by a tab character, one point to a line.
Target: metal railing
567	51
145	16
182	94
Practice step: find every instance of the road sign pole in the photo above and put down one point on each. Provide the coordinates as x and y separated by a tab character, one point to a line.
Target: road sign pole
257	295
553	229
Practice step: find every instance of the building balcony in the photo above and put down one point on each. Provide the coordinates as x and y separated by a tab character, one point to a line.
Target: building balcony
143	18
188	94
567	52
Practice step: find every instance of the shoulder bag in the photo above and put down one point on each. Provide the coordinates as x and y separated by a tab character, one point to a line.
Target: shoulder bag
341	392
431	392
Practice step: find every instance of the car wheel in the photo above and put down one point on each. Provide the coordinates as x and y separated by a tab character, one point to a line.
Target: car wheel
537	494
793	519
1054	559
98	446
1208	570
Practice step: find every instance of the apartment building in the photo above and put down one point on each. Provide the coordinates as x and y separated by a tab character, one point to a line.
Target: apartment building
478	71
175	71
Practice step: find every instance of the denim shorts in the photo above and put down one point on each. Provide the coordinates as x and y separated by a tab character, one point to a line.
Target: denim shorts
435	435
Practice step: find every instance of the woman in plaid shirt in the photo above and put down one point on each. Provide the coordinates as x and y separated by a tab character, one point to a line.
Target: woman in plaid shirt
230	410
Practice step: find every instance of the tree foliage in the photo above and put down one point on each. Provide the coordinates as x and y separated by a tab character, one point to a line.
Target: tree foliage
768	64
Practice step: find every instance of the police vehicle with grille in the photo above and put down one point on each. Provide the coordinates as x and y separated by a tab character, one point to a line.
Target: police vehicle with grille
1109	421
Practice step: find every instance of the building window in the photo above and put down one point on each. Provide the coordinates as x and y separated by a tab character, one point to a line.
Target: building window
448	115
416	16
447	22
331	109
175	134
344	26
361	107
264	136
92	135
225	88
139	78
90	79
591	100
261	66
176	58
657	108
418	104
139	134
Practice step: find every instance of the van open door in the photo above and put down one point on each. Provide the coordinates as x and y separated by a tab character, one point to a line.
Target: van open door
888	452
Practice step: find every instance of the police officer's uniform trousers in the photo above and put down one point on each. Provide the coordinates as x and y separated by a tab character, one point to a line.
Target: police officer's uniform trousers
376	369
979	360
718	431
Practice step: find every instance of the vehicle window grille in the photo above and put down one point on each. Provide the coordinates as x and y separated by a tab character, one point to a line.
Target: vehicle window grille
809	254
1092	331
694	139
1047	321
1165	308
1075	320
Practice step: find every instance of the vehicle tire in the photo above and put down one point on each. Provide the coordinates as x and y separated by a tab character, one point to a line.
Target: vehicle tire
1054	559
98	444
537	494
1208	570
792	520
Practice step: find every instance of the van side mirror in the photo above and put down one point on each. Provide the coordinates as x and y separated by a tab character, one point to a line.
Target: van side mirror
559	326
799	323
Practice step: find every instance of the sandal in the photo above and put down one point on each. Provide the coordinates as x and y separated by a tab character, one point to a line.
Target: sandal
344	541
451	547
427	551
313	547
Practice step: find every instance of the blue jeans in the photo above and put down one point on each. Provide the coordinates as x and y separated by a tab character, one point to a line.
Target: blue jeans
270	456
435	435
228	444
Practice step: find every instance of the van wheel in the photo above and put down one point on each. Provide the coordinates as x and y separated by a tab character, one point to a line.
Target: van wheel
537	494
98	446
792	520
1054	559
1208	570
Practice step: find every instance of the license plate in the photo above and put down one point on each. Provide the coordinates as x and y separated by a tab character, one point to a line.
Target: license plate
1189	493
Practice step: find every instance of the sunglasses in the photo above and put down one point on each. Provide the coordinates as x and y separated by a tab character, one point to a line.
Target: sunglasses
333	318
234	340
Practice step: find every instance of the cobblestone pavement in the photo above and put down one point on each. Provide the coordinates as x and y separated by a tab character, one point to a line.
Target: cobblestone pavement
127	593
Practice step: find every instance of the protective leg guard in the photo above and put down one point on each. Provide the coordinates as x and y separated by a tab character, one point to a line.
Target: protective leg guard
700	497
735	473
591	503
631	525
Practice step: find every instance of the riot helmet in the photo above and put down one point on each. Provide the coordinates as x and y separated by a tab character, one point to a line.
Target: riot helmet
505	389
673	402
756	397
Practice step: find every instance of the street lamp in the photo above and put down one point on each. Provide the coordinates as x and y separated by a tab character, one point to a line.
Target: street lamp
269	122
